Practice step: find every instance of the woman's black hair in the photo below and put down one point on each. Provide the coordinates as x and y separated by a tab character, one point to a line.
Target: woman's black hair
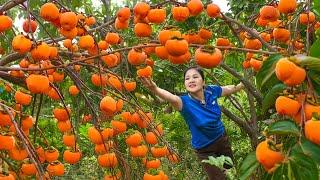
197	68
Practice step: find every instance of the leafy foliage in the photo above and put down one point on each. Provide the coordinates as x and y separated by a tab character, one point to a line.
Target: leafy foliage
266	78
219	161
271	96
248	166
314	49
286	127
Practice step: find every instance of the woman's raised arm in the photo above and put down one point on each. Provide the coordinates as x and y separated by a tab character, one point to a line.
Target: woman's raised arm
230	89
174	100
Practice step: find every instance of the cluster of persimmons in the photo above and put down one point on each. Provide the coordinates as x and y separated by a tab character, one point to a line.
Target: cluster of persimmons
294	104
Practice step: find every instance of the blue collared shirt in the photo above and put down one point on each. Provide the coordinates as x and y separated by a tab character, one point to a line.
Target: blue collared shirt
203	119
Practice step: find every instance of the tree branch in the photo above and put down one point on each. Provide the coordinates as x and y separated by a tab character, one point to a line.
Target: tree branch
232	99
10	58
252	106
243	124
10	4
251	31
8	77
247	84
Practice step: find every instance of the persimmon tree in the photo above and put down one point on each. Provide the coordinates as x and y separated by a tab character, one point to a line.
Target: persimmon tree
80	67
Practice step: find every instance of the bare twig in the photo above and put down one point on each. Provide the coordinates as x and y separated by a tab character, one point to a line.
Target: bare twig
308	4
37	119
252	106
10	4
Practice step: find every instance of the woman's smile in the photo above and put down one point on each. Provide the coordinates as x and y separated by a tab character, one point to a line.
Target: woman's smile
192	85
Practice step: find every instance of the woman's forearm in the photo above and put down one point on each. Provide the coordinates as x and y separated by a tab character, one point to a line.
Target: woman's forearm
230	89
174	100
164	94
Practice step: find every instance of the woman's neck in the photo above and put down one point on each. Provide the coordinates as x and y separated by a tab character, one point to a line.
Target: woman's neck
199	95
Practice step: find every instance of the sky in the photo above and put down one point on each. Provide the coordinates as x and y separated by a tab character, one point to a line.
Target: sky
223	4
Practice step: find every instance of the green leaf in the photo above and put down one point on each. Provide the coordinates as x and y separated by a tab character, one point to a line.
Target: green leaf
314	49
317	12
248	166
76	4
309	149
284	127
267	71
312	63
303	167
228	161
315	79
273	80
280	173
271	96
314	75
218	161
316	6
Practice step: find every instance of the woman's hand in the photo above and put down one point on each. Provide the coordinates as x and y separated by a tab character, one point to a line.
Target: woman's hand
240	86
230	89
148	83
174	100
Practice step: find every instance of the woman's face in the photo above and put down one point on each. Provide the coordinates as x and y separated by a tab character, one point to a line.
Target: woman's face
193	81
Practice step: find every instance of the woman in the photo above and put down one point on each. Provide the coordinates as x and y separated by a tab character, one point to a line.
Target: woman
201	112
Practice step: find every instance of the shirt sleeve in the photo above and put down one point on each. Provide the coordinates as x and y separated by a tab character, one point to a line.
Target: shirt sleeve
183	103
215	89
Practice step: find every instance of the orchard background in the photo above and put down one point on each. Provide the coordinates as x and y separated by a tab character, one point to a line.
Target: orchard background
72	106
